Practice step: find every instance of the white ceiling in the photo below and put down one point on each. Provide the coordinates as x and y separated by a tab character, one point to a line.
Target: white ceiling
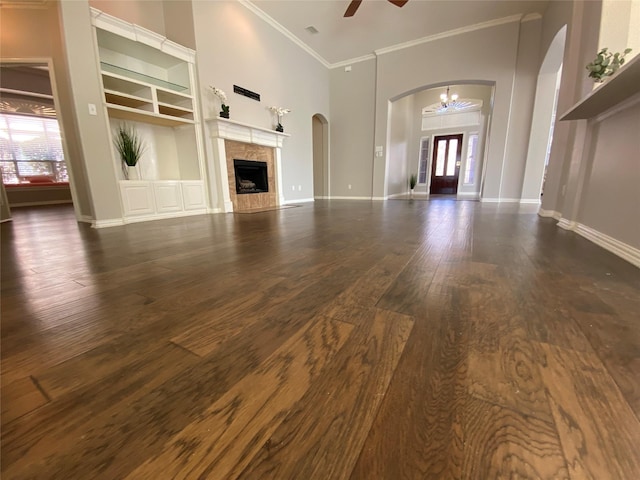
379	24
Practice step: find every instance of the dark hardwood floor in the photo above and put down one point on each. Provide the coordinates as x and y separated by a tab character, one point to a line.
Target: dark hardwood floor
342	340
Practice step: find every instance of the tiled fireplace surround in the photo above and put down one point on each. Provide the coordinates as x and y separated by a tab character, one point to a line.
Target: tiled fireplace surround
231	139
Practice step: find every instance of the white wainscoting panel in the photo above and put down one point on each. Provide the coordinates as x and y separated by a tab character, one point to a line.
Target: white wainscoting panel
137	198
168	196
193	195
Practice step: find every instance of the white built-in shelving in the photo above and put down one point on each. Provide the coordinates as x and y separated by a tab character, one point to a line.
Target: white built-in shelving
149	82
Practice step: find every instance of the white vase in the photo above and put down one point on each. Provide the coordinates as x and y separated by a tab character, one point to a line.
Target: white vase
132	173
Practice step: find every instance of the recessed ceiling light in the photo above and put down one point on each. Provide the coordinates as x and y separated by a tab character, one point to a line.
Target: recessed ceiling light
311	29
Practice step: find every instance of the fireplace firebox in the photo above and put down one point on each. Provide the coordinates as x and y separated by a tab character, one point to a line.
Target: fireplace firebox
251	176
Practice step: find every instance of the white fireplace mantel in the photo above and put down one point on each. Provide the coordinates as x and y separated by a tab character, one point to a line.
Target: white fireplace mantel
221	129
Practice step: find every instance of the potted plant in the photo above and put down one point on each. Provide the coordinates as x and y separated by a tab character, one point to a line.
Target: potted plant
606	64
413	180
224	113
130	147
280	112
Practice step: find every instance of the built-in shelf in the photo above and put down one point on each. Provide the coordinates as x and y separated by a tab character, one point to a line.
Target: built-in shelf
133	99
134	114
125	72
623	85
149	80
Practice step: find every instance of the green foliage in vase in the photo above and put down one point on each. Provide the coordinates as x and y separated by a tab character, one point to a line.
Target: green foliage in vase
129	145
413	180
606	64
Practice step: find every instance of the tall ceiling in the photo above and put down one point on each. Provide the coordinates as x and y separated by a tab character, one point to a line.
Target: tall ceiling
378	24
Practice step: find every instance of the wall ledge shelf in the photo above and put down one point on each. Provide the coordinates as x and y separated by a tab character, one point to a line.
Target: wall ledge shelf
244	132
618	88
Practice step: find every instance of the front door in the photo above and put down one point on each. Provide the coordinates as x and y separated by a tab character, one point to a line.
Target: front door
445	169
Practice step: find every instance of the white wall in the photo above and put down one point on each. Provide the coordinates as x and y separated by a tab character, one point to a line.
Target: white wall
611	197
520	112
543	117
234	46
146	13
351	129
84	75
620	26
401	122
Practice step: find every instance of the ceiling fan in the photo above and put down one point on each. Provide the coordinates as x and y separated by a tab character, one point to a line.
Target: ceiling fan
353	6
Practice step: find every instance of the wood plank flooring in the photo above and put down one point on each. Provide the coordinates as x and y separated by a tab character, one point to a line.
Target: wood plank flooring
336	340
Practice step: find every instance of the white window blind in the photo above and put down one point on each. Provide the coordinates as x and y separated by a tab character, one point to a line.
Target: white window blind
31	146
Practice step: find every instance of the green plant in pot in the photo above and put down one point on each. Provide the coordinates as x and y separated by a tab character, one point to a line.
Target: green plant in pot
413	180
130	148
606	64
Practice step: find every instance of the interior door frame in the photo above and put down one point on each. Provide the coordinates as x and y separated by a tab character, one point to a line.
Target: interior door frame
463	136
61	123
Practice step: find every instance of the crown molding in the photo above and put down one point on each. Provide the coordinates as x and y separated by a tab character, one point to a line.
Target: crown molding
530	17
264	16
449	33
382	51
351	61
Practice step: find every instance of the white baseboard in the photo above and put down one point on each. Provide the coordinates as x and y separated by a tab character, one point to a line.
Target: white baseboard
6	220
468	195
567	224
84	219
613	245
215	210
113	222
500	200
302	200
372	198
621	249
162	216
530	201
354	198
549	214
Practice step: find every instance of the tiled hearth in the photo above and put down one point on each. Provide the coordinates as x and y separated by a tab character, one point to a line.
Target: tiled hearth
234	140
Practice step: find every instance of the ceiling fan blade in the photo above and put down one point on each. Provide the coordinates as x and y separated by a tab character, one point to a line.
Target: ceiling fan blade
352	8
398	3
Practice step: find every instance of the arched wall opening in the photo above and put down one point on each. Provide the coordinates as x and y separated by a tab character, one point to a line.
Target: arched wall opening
544	113
412	137
320	133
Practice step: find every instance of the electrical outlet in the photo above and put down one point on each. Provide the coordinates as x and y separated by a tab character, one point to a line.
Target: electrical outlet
299	188
92	109
349	186
293	187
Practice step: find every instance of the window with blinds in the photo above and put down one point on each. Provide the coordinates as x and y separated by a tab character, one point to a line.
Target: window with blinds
31	150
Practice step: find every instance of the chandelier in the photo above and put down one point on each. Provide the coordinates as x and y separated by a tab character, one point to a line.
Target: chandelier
448	101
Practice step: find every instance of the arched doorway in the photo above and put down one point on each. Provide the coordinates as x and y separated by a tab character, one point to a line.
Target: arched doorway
544	114
417	119
320	128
